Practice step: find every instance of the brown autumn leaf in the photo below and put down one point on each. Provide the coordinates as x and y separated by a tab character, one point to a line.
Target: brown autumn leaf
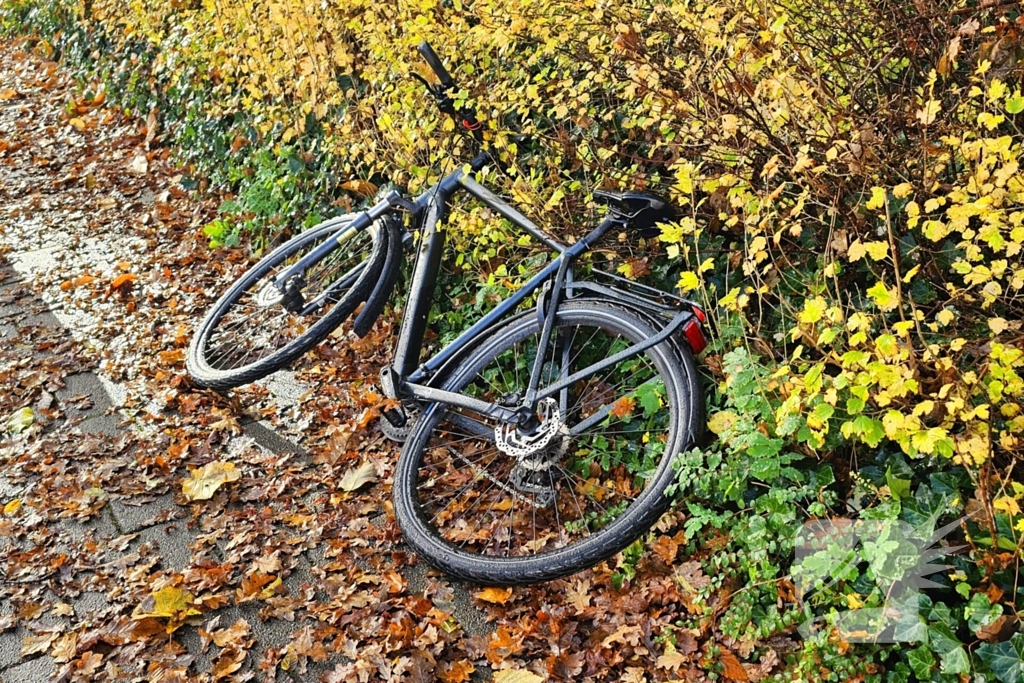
498	596
257	586
9	94
65	648
232	635
991	631
360	187
456	672
37	642
202	483
672	659
357	477
666	548
578	595
732	669
623	407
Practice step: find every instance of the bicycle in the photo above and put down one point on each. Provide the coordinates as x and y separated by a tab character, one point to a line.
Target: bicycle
540	441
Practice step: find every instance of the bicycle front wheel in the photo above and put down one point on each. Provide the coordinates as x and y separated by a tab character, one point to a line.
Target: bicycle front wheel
254	329
485	503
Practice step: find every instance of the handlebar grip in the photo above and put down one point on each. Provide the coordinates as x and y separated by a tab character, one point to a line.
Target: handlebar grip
435	63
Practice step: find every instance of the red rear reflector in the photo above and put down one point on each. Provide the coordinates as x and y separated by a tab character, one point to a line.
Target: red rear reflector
694	336
699	312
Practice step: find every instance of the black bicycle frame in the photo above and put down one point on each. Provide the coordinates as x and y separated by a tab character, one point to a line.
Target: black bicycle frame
407	377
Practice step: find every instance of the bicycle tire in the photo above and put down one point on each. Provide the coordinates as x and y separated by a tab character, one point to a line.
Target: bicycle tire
427	460
248	309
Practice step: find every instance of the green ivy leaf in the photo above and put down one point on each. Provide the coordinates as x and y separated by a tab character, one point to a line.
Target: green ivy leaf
899	488
980	612
921	662
1005	659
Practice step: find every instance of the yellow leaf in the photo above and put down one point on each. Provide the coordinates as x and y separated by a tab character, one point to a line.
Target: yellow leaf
877	250
688	281
884	298
358	476
877	198
998	325
516	676
78	123
1008	505
722	421
814	310
902	190
204	482
498	596
12	507
945	317
856	251
169	602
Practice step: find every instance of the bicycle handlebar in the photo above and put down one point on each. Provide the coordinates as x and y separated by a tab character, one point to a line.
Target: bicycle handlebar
435	64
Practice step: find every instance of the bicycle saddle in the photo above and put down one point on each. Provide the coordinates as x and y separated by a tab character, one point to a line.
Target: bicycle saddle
642	210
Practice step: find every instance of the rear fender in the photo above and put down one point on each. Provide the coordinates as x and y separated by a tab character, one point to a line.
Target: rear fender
390	230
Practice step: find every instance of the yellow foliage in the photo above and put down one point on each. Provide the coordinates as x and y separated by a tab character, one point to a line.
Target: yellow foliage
771	124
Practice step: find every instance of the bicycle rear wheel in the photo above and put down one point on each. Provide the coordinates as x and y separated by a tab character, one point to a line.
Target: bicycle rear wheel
250	332
494	506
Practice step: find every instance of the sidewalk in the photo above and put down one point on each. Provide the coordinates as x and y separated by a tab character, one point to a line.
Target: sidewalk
280	575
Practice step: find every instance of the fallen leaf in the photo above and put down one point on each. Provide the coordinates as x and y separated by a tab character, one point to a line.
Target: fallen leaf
77	123
732	669
672	659
356	477
579	595
122	280
233	635
204	482
666	548
498	596
20	420
516	676
170	602
35	644
65	648
9	94
457	672
12	507
139	165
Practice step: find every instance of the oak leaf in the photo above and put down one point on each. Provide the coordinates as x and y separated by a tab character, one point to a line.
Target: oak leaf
456	672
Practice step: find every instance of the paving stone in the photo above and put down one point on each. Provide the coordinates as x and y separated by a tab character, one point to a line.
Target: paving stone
10	647
132	518
172	541
101	424
84	383
270	439
89	604
34	671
